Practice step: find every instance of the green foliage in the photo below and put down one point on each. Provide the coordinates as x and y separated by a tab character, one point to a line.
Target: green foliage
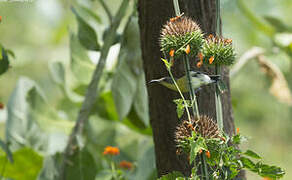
5	147
226	161
86	34
172	176
27	163
4	61
128	87
81	65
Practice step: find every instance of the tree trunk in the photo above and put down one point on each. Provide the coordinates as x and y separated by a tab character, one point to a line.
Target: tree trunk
153	14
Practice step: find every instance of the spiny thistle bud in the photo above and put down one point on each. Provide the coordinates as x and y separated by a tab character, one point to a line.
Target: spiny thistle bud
218	51
178	33
203	126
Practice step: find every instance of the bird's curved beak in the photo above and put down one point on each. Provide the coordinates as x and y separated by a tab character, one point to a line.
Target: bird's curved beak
154	81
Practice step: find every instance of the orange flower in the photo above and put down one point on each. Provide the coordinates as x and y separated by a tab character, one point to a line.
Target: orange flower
199	64
109	150
210	36
208	154
237	130
200	55
188	49
200	151
0	18
176	18
211	59
126	165
228	41
267	178
171	53
1	105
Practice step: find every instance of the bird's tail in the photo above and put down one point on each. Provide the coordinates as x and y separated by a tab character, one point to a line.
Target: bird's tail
215	78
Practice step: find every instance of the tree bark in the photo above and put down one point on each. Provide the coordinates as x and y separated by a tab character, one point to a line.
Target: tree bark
153	14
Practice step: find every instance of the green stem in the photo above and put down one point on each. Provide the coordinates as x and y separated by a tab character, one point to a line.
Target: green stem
108	12
114	170
182	96
204	169
219	113
176	7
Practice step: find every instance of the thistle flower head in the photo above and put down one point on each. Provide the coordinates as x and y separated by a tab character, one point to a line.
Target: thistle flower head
218	51
203	125
178	33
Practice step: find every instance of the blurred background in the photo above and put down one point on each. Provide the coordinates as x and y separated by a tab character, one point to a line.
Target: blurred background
39	35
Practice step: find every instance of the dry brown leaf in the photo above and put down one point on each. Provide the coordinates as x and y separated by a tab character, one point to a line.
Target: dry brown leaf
279	87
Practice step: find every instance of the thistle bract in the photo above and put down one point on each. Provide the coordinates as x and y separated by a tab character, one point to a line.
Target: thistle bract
218	51
178	33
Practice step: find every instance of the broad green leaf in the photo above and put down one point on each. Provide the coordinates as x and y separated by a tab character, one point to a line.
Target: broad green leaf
172	176
26	166
274	172
21	129
5	148
86	33
81	65
82	167
179	107
145	163
141	100
58	72
129	76
4	61
46	117
247	163
196	146
89	12
252	154
124	88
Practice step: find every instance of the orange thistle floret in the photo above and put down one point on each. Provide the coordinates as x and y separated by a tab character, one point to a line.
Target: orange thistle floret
210	36
1	105
200	55
208	154
109	150
188	49
176	18
228	41
126	165
237	130
171	53
200	151
211	59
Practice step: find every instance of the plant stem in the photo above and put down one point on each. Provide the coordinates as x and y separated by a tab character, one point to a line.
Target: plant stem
91	93
108	12
114	169
182	96
219	113
176	7
204	169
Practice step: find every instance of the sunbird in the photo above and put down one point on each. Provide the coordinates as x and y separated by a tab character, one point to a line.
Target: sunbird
198	79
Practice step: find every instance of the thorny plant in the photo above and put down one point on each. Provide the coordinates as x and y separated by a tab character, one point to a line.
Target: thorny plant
212	153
